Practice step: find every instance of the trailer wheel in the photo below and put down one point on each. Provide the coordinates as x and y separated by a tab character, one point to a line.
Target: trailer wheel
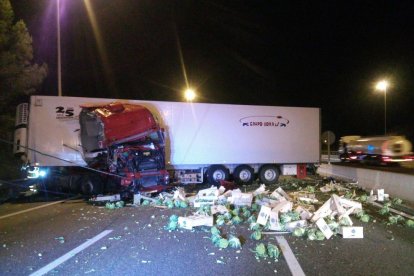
243	175
269	174
215	173
91	185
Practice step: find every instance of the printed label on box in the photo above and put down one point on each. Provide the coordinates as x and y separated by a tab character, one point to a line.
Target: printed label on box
352	232
264	215
324	228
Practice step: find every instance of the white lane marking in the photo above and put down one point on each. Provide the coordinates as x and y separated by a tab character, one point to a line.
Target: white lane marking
292	262
70	254
35	208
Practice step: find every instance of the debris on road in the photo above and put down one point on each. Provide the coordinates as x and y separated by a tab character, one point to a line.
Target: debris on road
309	210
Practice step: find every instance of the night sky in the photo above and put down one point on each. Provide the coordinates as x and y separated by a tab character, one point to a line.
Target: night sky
326	54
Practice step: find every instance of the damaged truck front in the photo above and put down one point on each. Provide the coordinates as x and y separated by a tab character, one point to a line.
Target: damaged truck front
126	141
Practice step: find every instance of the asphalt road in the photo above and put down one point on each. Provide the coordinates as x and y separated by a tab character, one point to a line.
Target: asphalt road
139	245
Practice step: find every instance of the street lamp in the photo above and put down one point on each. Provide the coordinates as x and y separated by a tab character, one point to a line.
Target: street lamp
59	73
382	86
189	95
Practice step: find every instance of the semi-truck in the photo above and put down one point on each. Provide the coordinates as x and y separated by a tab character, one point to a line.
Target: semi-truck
97	145
375	150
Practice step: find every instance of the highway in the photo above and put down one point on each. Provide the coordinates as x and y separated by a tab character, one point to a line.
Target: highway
72	237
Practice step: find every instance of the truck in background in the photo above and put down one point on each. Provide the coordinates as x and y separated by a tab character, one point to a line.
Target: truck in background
101	145
376	150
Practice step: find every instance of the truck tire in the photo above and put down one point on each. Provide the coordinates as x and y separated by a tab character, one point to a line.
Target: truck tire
215	173
91	185
269	174
243	175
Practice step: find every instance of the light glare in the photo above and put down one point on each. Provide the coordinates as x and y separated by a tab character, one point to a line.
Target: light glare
382	85
190	94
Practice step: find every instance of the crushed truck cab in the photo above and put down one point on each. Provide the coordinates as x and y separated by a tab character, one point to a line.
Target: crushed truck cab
126	140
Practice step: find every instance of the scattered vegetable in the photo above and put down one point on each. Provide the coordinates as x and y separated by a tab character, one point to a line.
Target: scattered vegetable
299	232
409	223
234	242
256	235
260	251
395	219
223	243
273	251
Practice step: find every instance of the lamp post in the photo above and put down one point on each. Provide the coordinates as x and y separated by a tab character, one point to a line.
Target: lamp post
382	86
59	72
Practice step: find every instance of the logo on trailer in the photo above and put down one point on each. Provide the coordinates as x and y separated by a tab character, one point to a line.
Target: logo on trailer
65	113
264	121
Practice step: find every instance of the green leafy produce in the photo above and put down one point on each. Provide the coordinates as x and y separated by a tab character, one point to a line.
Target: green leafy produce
260	251
319	235
310	189
173	218
183	204
255	207
145	202
177	203
252	219
254	226
170	204
220	220
344	222
223	243
363	198
267	226
234	242
385	210
395	219
299	232
158	202
360	213
259	197
311	234
235	212
293	215
110	205
236	220
172	225
285	218
256	235
215	239
273	251
228	216
409	223
204	210
397	201
365	218
333	225
215	231
247	213
349	194
119	204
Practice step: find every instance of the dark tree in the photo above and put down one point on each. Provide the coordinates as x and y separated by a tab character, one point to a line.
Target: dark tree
19	76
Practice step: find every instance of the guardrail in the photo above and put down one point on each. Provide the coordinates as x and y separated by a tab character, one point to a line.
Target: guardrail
395	184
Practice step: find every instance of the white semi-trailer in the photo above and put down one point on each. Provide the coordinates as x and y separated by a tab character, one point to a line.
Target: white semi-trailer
201	141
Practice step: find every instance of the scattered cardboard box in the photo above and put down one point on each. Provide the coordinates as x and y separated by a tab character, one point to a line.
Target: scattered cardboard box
274	222
195	220
380	194
327	232
218	209
351	232
290	226
284	206
264	215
